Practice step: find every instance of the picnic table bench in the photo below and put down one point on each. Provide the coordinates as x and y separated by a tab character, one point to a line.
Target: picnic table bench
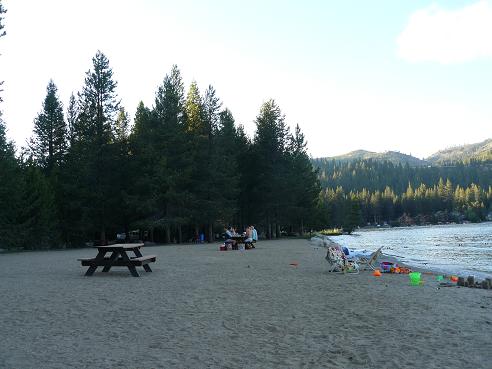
119	257
242	239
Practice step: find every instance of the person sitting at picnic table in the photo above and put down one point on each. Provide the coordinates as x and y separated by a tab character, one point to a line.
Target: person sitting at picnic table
248	240
254	235
228	237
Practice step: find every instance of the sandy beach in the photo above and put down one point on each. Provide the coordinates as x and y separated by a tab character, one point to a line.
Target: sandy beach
202	308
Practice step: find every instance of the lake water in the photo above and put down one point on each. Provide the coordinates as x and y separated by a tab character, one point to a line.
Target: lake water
461	249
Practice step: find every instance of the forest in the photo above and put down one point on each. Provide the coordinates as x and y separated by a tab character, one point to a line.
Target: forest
362	192
183	168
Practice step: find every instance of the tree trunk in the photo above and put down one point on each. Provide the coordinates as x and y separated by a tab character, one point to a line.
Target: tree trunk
168	234
197	234
180	235
103	237
210	232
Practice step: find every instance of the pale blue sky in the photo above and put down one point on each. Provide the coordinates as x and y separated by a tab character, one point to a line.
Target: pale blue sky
411	76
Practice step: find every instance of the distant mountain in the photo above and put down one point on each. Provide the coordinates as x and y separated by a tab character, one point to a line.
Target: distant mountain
477	151
391	156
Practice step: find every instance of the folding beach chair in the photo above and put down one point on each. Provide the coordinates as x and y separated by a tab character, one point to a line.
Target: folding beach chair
338	261
370	260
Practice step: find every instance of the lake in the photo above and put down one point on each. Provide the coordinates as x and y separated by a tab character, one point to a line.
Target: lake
461	249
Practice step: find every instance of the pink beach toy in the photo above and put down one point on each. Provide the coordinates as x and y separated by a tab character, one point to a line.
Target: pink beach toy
386	266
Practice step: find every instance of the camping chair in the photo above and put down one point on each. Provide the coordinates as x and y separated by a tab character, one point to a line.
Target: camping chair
338	261
370	260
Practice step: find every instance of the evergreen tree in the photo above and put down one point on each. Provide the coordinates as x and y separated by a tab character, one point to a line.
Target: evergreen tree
72	119
2	33
11	180
38	218
49	143
11	191
353	214
162	160
98	108
269	147
197	137
230	144
122	126
218	190
194	110
302	182
169	100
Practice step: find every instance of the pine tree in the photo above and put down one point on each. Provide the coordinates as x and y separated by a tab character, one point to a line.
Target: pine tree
194	110
49	143
38	217
99	106
302	181
2	33
229	146
122	126
11	191
2	26
353	215
197	142
72	120
269	146
169	100
176	157
214	186
11	180
162	160
99	102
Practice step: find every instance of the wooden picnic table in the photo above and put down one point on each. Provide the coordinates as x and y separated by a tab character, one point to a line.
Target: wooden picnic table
239	238
242	239
119	257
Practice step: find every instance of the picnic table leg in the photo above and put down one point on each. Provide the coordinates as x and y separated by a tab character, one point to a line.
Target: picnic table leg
132	268
92	268
139	254
112	259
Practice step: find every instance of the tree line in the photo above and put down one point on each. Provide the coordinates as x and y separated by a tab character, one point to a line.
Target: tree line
375	175
184	167
441	202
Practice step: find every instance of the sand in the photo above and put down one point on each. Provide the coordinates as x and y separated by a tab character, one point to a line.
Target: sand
201	308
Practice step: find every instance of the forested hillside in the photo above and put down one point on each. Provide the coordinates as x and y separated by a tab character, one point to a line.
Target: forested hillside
373	191
391	156
376	174
478	152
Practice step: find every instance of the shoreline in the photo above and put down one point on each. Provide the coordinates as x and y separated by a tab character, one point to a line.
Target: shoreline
452	249
385	227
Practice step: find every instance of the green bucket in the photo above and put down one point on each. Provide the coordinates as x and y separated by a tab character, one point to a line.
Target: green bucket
414	278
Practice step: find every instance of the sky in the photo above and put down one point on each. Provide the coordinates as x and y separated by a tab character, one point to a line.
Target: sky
409	76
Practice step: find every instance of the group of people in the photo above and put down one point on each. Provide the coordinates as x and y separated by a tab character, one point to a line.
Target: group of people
250	237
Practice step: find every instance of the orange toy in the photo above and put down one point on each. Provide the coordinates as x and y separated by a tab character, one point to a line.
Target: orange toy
377	273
